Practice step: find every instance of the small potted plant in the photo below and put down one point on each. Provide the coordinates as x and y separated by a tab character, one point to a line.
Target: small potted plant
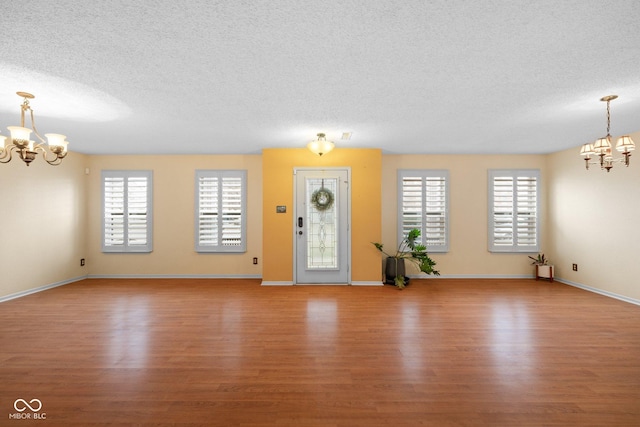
409	250
543	268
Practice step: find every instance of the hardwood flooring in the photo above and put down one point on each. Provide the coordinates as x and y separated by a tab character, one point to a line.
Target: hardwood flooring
443	352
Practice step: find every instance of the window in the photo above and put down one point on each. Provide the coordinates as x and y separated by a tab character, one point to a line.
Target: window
127	217
220	211
514	203
423	203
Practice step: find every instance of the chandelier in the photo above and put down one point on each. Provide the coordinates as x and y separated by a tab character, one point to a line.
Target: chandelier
321	145
27	149
602	146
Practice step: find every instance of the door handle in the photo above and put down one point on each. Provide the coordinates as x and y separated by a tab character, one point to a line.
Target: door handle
299	221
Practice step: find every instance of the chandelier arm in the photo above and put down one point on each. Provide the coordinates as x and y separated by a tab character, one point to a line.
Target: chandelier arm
7	154
55	162
624	159
33	123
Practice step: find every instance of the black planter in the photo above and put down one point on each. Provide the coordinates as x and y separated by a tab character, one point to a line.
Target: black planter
394	267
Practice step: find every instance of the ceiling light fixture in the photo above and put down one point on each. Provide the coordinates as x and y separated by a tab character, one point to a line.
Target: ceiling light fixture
320	146
27	149
602	146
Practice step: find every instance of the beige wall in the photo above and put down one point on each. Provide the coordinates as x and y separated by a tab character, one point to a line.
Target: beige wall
173	216
43	214
468	254
51	219
595	219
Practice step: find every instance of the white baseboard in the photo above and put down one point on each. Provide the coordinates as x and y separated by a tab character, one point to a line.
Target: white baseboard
599	291
472	276
275	283
172	276
40	289
321	284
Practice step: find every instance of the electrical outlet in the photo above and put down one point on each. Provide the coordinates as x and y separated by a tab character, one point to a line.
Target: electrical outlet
575	267
255	260
81	262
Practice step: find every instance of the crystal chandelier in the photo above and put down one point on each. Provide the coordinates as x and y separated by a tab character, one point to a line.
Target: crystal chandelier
27	150
602	147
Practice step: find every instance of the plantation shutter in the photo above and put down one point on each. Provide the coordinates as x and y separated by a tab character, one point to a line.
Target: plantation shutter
208	211
127	216
503	208
423	205
220	211
514	205
137	211
114	207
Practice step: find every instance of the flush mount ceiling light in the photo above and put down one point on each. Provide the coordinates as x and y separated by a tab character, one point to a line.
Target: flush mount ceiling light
602	146
320	146
27	150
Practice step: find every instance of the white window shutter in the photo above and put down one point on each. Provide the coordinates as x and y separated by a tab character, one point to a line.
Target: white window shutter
221	211
423	204
503	218
208	194
137	211
127	211
232	218
527	212
435	230
114	208
514	210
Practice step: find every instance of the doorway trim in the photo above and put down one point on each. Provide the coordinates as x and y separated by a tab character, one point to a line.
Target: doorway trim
295	215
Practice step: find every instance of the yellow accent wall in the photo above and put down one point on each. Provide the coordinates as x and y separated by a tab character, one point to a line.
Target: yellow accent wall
277	168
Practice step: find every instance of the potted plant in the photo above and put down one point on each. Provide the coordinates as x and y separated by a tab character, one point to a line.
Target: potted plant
409	250
543	268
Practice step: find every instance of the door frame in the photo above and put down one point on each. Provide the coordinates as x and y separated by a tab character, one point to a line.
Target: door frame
295	215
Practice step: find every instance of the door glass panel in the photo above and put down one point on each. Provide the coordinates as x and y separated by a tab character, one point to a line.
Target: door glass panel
322	223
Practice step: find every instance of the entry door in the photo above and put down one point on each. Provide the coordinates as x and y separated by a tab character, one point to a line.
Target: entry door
321	226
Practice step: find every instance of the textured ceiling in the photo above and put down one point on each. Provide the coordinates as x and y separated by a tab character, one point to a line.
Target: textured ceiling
407	76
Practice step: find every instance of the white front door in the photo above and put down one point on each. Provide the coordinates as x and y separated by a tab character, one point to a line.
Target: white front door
322	219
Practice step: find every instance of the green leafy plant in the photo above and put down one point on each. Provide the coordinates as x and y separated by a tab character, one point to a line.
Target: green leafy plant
410	250
539	260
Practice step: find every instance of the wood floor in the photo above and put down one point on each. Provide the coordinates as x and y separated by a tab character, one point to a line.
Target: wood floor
443	352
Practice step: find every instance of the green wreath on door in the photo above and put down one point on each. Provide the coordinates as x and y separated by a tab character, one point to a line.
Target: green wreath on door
322	199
